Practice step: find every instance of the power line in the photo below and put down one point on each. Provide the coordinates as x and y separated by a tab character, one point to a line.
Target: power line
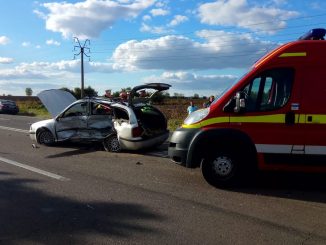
236	37
232	27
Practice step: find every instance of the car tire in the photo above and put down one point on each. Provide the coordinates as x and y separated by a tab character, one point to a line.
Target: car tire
221	169
111	143
45	137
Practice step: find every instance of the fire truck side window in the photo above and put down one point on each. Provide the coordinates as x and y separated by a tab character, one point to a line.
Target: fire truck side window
269	91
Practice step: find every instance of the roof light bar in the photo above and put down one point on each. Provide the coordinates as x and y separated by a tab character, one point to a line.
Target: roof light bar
314	34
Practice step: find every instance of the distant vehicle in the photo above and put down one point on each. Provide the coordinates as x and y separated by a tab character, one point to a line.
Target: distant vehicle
8	106
131	125
273	118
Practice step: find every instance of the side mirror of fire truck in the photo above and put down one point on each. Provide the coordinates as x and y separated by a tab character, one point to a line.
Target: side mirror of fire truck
240	102
237	104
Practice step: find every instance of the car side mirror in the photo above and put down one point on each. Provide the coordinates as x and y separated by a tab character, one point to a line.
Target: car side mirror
58	118
240	102
237	104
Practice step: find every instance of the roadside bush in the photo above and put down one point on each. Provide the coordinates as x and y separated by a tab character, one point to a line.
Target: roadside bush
32	108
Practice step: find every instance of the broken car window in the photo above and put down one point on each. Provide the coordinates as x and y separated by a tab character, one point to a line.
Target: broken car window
121	114
98	108
79	109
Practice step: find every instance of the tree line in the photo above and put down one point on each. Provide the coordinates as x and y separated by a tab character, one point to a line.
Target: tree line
91	92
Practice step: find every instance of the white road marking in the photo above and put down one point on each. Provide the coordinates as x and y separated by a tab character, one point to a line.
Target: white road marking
35	170
14	129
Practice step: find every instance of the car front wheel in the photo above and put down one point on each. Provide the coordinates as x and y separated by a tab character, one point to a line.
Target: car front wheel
111	143
45	137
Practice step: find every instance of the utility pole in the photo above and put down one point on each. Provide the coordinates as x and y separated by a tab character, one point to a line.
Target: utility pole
82	49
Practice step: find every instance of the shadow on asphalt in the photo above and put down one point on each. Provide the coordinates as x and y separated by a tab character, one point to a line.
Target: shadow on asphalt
299	186
84	148
30	215
76	149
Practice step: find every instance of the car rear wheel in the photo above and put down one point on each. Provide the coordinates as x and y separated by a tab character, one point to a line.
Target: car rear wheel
221	169
111	143
45	137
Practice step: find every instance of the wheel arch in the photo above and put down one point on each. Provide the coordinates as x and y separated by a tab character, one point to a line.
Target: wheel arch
104	142
206	141
41	129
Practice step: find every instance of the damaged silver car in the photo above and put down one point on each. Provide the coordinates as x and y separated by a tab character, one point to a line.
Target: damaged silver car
120	125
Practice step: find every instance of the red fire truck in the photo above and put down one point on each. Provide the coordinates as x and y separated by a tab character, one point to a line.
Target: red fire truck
273	118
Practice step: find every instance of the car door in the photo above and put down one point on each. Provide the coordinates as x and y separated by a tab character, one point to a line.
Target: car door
99	122
270	116
72	123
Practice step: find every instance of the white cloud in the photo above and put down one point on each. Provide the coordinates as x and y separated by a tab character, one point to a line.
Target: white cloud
6	60
190	83
178	19
46	75
89	18
240	13
26	44
53	42
4	40
147	17
18	87
159	12
160	4
48	70
154	29
218	51
40	14
20	73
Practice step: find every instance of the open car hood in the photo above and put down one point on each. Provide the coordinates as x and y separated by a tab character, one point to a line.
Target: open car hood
155	86
56	100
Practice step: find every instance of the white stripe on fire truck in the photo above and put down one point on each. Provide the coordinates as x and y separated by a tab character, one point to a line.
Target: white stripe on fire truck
267	148
315	150
291	149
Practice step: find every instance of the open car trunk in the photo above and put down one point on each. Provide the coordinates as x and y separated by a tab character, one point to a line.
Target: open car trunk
151	120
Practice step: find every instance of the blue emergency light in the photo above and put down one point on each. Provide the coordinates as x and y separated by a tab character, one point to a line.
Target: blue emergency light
314	34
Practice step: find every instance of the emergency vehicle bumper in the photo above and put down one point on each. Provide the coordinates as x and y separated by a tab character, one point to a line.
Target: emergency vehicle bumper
179	145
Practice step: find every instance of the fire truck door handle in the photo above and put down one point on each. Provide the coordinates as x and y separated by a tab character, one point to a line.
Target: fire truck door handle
290	118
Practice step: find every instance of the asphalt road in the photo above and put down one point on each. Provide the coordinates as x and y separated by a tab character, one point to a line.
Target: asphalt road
79	194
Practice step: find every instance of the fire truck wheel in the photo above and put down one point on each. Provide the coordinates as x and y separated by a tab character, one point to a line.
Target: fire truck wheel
111	143
221	169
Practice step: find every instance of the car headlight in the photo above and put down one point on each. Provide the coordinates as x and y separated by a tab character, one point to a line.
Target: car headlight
196	116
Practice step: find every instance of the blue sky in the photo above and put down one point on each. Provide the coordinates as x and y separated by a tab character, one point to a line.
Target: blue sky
196	46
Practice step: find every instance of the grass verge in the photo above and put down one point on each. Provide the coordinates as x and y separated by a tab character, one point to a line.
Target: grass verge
33	108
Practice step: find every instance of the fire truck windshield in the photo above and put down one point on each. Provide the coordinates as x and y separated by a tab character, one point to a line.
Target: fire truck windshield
217	97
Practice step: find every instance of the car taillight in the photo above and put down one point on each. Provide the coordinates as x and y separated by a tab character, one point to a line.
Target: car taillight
137	132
